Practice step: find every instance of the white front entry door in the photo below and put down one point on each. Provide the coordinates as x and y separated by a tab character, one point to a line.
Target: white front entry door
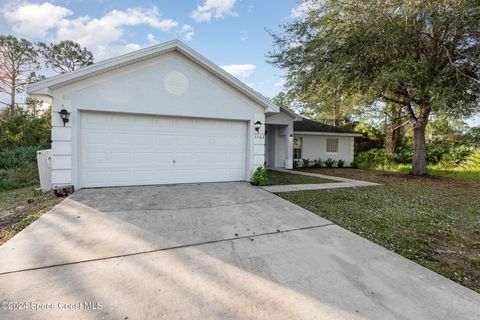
125	150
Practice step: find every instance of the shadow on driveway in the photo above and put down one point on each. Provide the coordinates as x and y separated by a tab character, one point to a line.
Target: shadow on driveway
219	250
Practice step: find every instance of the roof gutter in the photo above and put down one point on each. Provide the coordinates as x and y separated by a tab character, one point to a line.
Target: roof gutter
316	133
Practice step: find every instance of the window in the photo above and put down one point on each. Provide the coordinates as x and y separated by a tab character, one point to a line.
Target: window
297	147
332	145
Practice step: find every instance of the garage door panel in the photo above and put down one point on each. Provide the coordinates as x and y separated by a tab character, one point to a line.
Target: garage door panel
163	124
186	123
94	177
95	120
119	121
119	139
164	158
143	139
119	176
205	141
119	149
94	158
97	138
164	139
119	157
184	140
144	122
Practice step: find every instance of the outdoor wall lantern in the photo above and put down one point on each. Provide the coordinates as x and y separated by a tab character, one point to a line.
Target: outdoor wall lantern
258	125
64	114
291	137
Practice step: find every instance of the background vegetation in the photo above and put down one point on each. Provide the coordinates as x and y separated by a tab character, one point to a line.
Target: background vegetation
21	135
401	63
25	127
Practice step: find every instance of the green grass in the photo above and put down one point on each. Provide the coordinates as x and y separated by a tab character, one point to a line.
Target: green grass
433	170
432	221
24	176
283	178
20	207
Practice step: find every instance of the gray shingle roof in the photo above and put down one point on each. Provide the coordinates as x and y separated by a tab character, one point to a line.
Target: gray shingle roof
314	126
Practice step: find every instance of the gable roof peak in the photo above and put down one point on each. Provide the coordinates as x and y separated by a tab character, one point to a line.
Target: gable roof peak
43	87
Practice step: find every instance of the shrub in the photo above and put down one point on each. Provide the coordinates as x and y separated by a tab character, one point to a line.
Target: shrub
24	128
17	157
403	155
436	152
456	155
23	176
317	163
340	163
295	163
330	163
260	177
473	161
305	163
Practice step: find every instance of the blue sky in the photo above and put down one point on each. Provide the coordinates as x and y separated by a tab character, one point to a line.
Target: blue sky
231	33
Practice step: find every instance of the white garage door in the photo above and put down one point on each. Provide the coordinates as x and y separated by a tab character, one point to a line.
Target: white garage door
122	150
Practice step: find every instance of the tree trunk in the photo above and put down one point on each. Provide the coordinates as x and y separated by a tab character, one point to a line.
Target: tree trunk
391	141
336	121
12	96
393	131
419	163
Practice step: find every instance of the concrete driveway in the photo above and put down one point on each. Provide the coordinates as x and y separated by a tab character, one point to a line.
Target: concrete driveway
210	251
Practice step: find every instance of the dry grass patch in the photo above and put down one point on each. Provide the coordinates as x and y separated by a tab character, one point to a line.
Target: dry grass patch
20	207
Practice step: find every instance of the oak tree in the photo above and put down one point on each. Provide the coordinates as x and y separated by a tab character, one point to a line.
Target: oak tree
422	55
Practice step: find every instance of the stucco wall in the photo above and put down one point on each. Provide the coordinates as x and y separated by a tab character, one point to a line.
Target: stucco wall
279	147
140	88
315	147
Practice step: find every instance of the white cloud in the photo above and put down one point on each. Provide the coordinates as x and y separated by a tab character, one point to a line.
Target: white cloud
104	36
95	33
129	48
213	9
187	31
35	20
138	16
151	38
241	71
305	7
279	84
243	36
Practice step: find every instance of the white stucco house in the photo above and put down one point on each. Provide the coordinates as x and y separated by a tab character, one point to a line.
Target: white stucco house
165	114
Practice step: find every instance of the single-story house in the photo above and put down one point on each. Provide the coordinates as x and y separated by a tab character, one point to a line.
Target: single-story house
314	140
165	114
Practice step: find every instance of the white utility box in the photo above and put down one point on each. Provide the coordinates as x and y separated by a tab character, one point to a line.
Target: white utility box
44	161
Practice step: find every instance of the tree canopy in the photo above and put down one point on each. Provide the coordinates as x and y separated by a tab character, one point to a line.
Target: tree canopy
423	55
65	56
20	60
18	63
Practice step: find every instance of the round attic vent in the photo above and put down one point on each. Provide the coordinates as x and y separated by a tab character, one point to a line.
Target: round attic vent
175	82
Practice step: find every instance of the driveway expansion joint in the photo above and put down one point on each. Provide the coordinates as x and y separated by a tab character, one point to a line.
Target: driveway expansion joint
251	236
187	208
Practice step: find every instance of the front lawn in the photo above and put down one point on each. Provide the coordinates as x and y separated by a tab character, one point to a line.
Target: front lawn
283	178
434	221
20	207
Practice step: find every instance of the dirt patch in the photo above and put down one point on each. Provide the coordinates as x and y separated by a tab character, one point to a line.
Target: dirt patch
20	207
